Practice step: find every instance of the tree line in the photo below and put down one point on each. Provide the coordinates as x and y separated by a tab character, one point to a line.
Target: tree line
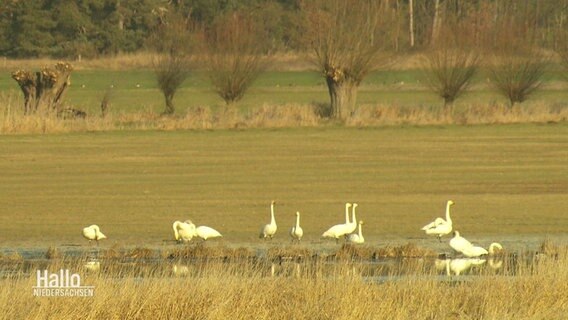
91	28
345	39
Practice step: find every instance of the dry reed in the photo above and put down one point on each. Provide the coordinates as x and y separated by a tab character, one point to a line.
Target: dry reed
12	120
245	291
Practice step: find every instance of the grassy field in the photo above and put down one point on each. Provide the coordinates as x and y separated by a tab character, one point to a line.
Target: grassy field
135	91
505	180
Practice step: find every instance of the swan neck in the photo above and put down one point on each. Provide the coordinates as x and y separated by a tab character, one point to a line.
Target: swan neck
176	233
347	214
493	246
448	218
360	232
353	217
272	220
297	221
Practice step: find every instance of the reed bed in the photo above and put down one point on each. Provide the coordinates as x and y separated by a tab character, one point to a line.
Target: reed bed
12	121
244	291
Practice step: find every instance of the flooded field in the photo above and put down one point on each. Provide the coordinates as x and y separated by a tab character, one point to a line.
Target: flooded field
393	261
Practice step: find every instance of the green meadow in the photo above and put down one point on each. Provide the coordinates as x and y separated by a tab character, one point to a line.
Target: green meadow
136	91
504	179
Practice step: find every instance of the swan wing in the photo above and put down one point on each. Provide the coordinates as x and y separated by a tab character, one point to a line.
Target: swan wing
440	229
460	244
205	232
354	238
336	231
100	236
434	223
474	251
89	233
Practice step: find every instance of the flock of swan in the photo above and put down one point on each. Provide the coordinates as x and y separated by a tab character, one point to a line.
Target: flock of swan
441	227
186	231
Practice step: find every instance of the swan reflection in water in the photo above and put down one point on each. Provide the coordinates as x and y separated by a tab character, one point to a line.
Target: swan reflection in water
458	266
92	266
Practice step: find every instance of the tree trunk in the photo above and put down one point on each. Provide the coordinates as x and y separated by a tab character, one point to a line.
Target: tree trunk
437	22
411	21
45	88
343	98
170	109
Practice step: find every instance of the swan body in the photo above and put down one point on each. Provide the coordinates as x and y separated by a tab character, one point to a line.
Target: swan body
340	230
184	231
269	230
357	237
296	232
337	231
93	232
476	251
462	245
459	243
205	232
439	226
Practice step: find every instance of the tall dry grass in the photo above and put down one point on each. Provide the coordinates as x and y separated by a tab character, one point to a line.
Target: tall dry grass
13	121
252	291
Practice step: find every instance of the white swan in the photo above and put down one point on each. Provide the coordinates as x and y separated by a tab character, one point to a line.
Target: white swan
476	251
357	238
353	223
296	232
184	231
440	227
93	232
339	230
459	243
205	232
269	230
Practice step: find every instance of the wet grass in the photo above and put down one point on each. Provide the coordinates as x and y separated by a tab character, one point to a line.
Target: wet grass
507	180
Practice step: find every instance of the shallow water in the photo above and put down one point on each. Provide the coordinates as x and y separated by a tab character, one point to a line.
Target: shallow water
520	251
371	270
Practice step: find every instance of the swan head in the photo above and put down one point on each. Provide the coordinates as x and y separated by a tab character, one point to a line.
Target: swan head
347	205
456	233
272	203
188	221
361	222
450	203
297	213
355	205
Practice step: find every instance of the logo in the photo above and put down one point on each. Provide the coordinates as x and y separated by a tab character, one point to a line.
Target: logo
60	284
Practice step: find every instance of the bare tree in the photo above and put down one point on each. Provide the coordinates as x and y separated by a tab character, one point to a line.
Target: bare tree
562	45
175	43
348	40
45	88
452	61
449	71
235	55
518	64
